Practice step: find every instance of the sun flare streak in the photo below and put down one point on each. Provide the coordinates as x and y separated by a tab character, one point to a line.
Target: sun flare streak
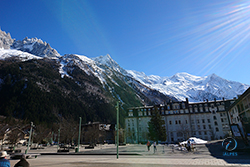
224	36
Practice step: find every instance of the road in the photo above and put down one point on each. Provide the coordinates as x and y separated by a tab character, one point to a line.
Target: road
130	161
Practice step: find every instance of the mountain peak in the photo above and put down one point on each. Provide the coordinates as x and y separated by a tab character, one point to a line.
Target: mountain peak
35	46
5	40
105	60
109	62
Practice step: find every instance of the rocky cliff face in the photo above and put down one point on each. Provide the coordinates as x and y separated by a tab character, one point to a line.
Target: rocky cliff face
35	46
5	40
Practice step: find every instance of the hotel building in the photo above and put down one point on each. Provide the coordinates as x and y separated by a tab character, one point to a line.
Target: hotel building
207	120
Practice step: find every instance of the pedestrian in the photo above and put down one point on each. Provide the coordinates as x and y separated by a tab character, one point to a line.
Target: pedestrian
23	162
188	145
155	149
3	161
148	145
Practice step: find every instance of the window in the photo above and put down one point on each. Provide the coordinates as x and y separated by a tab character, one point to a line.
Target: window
217	129
203	120
183	105
215	123
215	118
179	121
176	122
205	133
209	126
170	122
199	132
208	120
186	121
199	127
198	121
222	120
204	126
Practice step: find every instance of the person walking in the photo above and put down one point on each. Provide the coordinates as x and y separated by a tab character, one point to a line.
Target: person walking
188	146
155	149
3	161
148	145
23	162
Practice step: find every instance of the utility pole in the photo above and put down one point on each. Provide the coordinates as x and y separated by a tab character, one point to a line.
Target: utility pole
117	130
29	138
79	136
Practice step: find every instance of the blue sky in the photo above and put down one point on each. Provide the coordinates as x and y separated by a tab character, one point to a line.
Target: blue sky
157	37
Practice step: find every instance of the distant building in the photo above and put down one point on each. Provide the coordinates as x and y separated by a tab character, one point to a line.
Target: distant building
239	113
206	120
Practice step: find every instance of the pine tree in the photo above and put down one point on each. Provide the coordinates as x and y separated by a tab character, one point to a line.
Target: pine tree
156	128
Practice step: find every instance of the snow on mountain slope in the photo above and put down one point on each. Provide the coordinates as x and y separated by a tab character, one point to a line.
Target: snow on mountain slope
24	56
84	63
184	85
107	61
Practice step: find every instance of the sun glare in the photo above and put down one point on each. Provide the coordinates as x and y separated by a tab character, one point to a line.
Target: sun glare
222	38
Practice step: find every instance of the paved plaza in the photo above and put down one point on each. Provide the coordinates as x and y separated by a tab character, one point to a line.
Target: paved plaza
135	155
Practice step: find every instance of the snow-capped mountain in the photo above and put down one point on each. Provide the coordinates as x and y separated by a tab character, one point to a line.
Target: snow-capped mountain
195	88
149	89
34	46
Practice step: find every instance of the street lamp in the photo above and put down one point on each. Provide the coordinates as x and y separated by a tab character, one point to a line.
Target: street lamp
29	138
79	136
117	130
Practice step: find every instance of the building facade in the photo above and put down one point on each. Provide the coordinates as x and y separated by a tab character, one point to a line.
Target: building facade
239	114
207	120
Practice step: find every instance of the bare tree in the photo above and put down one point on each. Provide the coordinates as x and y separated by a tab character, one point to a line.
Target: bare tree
40	133
91	134
14	135
69	129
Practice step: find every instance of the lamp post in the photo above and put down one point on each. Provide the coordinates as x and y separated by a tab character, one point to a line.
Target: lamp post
79	136
58	138
29	138
117	130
